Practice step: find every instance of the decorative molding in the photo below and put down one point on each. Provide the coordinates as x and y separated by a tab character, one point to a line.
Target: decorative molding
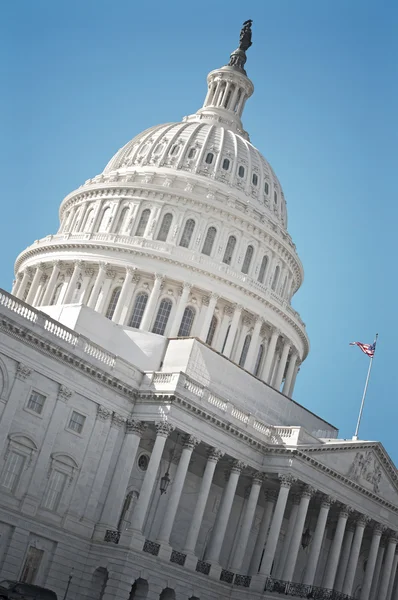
103	414
237	466
163	429
135	427
118	420
190	442
286	481
214	454
64	393
23	372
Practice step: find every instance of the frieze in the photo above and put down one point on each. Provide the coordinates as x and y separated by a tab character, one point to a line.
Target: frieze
366	467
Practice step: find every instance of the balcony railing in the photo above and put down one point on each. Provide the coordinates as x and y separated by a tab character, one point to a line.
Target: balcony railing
301	590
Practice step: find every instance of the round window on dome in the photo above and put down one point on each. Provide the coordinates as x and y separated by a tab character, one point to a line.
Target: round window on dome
254	179
143	462
225	164
241	171
266	188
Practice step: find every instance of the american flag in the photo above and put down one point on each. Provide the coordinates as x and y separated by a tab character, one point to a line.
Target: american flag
368	349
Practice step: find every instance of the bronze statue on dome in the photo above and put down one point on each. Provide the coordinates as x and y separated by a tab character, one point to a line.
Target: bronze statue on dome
245	40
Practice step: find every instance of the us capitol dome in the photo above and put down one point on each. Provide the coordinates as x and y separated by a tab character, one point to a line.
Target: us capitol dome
184	233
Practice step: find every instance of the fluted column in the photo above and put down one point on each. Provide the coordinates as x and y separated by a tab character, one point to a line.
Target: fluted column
176	489
289	392
16	284
222	329
270	355
152	302
182	302
77	270
316	544
354	554
232	330
282	365
34	285
290	373
213	457
51	284
270	497
224	510
387	567
103	300
125	292
208	316
27	274
334	553
253	348
278	572
92	301
376	575
39	291
247	522
344	556
291	559
371	562
392	576
273	536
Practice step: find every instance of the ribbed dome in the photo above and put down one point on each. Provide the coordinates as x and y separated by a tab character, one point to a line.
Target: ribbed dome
208	149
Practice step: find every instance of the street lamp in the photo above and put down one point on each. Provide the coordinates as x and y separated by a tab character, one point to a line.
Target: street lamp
68	584
165	480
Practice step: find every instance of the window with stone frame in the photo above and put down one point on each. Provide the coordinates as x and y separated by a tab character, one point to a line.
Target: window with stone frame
263	268
105	220
245	350
162	316
229	250
165	227
212	330
143	222
266	188
138	310
113	303
209	158
209	241
248	259
241	171
275	278
225	164
31	567
187	322
121	222
254	179
36	402
62	471
192	153
89	220
76	422
187	233
12	471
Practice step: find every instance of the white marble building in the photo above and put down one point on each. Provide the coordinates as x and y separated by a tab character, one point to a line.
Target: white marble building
150	344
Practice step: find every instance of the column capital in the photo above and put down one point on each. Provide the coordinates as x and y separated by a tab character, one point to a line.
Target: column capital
159	277
327	501
103	266
89	272
362	520
238	307
79	264
111	273
135	427
118	420
135	278
131	270
23	372
163	429
228	310
186	286
379	529
308	491
190	442
392	537
287	480
19	276
237	466
41	267
64	393
214	454
345	511
103	414
258	478
214	296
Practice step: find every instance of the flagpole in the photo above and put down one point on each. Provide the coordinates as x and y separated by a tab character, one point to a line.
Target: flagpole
355	436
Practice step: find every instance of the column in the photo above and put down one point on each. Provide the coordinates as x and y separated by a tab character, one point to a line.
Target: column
214	548
270	355
289	393
126	291
270	497
152	302
247	522
387	567
208	316
282	365
51	283
288	536
253	349
213	457
121	474
244	331
39	292
92	301
70	290
291	559
371	562
354	555
232	330
34	285
392	576
290	373
103	295
163	430
16	284
316	544
273	536
175	326
376	575
18	395
222	328
27	274
335	549
176	489
344	557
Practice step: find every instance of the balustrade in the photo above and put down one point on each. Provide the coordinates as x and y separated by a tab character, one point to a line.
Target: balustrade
301	590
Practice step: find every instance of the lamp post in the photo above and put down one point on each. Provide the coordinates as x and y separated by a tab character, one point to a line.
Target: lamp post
165	480
68	584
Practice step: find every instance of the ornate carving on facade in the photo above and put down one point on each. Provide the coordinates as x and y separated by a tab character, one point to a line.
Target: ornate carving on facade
393	537
64	393
365	466
379	529
362	520
346	511
118	420
258	478
327	501
308	491
135	427
23	372
103	414
286	481
214	454
237	466
190	442
164	429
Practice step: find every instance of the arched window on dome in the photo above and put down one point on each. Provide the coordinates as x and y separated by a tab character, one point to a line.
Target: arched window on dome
165	227
237	100
266	188
255	179
76	221
138	310
259	360
105	220
162	317
76	297
247	259
112	303
122	220
56	294
187	233
222	93
66	221
283	291
245	350
276	278
276	197
174	150
212	330
89	220
225	339
143	222
225	164
241	171
209	158
186	322
192	153
263	268
209	241
229	250
228	96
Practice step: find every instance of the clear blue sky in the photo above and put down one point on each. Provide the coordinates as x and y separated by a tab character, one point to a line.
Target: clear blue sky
82	78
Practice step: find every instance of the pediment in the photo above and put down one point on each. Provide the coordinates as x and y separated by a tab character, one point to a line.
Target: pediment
367	466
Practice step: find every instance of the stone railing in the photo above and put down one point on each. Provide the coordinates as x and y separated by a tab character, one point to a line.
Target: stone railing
301	590
179	382
75	340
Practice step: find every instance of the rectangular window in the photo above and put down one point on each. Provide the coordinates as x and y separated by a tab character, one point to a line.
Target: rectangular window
12	470
30	569
54	490
76	422
36	402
